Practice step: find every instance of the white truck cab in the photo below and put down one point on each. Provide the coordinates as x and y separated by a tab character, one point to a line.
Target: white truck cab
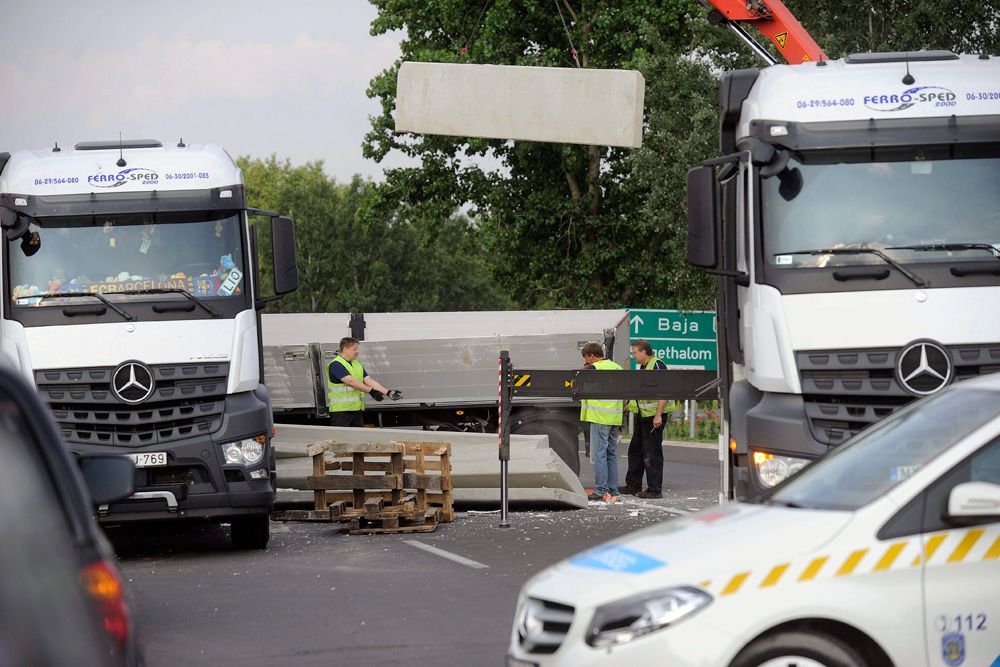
131	293
886	552
854	219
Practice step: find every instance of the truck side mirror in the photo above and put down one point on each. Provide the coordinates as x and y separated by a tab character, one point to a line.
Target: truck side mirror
108	478
702	202
9	218
286	270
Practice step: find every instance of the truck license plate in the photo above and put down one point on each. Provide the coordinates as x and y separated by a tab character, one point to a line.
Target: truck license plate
149	459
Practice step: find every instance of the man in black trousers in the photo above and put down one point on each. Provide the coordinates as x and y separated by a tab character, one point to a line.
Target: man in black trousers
645	450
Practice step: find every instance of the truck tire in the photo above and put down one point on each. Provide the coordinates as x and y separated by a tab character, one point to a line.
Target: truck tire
796	648
564	435
250	532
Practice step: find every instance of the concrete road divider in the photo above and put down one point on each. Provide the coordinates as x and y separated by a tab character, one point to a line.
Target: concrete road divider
537	474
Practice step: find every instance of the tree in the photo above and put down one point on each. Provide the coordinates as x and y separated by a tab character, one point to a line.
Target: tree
561	220
842	27
353	257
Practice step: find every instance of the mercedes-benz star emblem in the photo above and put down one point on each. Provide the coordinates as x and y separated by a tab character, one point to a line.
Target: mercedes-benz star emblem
923	368
132	382
531	625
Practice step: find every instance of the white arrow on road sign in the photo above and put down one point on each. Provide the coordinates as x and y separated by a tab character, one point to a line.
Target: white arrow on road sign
635	322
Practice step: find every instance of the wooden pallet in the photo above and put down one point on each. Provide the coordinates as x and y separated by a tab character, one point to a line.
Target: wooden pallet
407	524
379	487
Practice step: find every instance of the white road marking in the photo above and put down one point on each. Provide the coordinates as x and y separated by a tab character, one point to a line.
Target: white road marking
446	554
651	506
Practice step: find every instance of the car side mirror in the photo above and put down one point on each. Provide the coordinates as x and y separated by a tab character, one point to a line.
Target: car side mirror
108	478
286	270
974	501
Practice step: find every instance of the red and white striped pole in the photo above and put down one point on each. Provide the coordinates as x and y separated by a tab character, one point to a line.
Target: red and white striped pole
503	431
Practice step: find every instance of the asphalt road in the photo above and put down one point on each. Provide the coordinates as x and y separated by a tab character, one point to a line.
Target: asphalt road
317	596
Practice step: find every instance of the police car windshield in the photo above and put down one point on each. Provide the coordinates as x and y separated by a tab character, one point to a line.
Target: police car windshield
878	459
131	256
884	199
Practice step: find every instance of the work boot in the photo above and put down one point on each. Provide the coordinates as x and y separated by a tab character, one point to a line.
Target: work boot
594	495
629	490
647	494
609	499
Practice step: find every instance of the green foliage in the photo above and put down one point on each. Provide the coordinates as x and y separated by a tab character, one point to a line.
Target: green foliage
706	424
354	256
842	27
570	226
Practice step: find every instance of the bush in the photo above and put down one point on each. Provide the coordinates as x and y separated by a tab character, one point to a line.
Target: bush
706	424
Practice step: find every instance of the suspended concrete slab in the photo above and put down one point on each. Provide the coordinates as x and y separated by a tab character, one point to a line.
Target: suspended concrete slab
537	476
556	104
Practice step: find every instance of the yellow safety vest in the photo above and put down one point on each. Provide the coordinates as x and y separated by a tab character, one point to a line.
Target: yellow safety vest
599	411
339	396
643	407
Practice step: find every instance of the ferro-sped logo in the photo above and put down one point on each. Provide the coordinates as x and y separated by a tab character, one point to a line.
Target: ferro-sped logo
135	175
932	95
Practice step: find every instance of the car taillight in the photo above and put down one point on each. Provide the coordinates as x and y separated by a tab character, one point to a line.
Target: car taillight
103	585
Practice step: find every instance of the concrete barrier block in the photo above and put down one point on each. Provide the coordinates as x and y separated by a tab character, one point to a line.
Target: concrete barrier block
535	473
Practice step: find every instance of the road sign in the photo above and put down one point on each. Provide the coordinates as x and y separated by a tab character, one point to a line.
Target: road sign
681	339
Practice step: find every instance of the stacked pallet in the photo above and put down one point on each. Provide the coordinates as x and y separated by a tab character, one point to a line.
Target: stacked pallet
379	487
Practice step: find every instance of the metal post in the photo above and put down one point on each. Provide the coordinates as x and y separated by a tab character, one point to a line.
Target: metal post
503	431
692	414
358	326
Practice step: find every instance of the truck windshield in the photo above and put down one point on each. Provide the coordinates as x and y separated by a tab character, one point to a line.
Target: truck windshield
878	459
927	200
201	254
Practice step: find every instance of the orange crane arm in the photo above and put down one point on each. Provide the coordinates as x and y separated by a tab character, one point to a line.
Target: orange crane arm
773	20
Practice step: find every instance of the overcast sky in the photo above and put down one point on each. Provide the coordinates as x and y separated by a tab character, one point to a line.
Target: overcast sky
256	77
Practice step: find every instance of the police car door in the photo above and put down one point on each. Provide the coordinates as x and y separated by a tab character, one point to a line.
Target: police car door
961	568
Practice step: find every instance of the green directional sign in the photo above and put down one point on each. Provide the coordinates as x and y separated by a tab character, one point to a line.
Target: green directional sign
681	339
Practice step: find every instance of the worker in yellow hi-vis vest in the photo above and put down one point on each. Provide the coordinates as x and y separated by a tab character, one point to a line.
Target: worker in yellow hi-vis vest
347	382
605	420
645	450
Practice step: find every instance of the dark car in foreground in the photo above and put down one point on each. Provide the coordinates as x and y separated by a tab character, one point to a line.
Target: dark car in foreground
62	601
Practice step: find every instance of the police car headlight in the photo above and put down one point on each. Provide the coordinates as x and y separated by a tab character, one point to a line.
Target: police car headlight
621	622
246	452
773	469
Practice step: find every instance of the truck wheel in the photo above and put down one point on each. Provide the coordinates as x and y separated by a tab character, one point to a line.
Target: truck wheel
798	649
250	532
564	440
564	436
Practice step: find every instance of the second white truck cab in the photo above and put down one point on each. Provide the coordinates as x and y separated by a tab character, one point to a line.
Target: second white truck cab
854	219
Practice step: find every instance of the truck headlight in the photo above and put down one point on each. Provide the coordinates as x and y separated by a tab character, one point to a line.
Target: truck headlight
621	622
245	452
773	469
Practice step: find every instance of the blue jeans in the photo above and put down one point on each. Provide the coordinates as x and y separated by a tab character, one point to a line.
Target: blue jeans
603	448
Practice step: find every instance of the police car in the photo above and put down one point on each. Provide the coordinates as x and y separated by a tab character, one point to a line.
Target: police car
886	552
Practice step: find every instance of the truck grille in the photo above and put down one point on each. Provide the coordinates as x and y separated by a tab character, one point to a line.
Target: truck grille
845	391
188	400
543	625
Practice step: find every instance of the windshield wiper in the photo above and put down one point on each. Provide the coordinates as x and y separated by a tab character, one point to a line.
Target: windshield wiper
927	247
77	295
917	280
174	290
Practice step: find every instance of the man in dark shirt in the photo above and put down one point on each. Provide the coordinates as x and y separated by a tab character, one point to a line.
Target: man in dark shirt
347	383
645	450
